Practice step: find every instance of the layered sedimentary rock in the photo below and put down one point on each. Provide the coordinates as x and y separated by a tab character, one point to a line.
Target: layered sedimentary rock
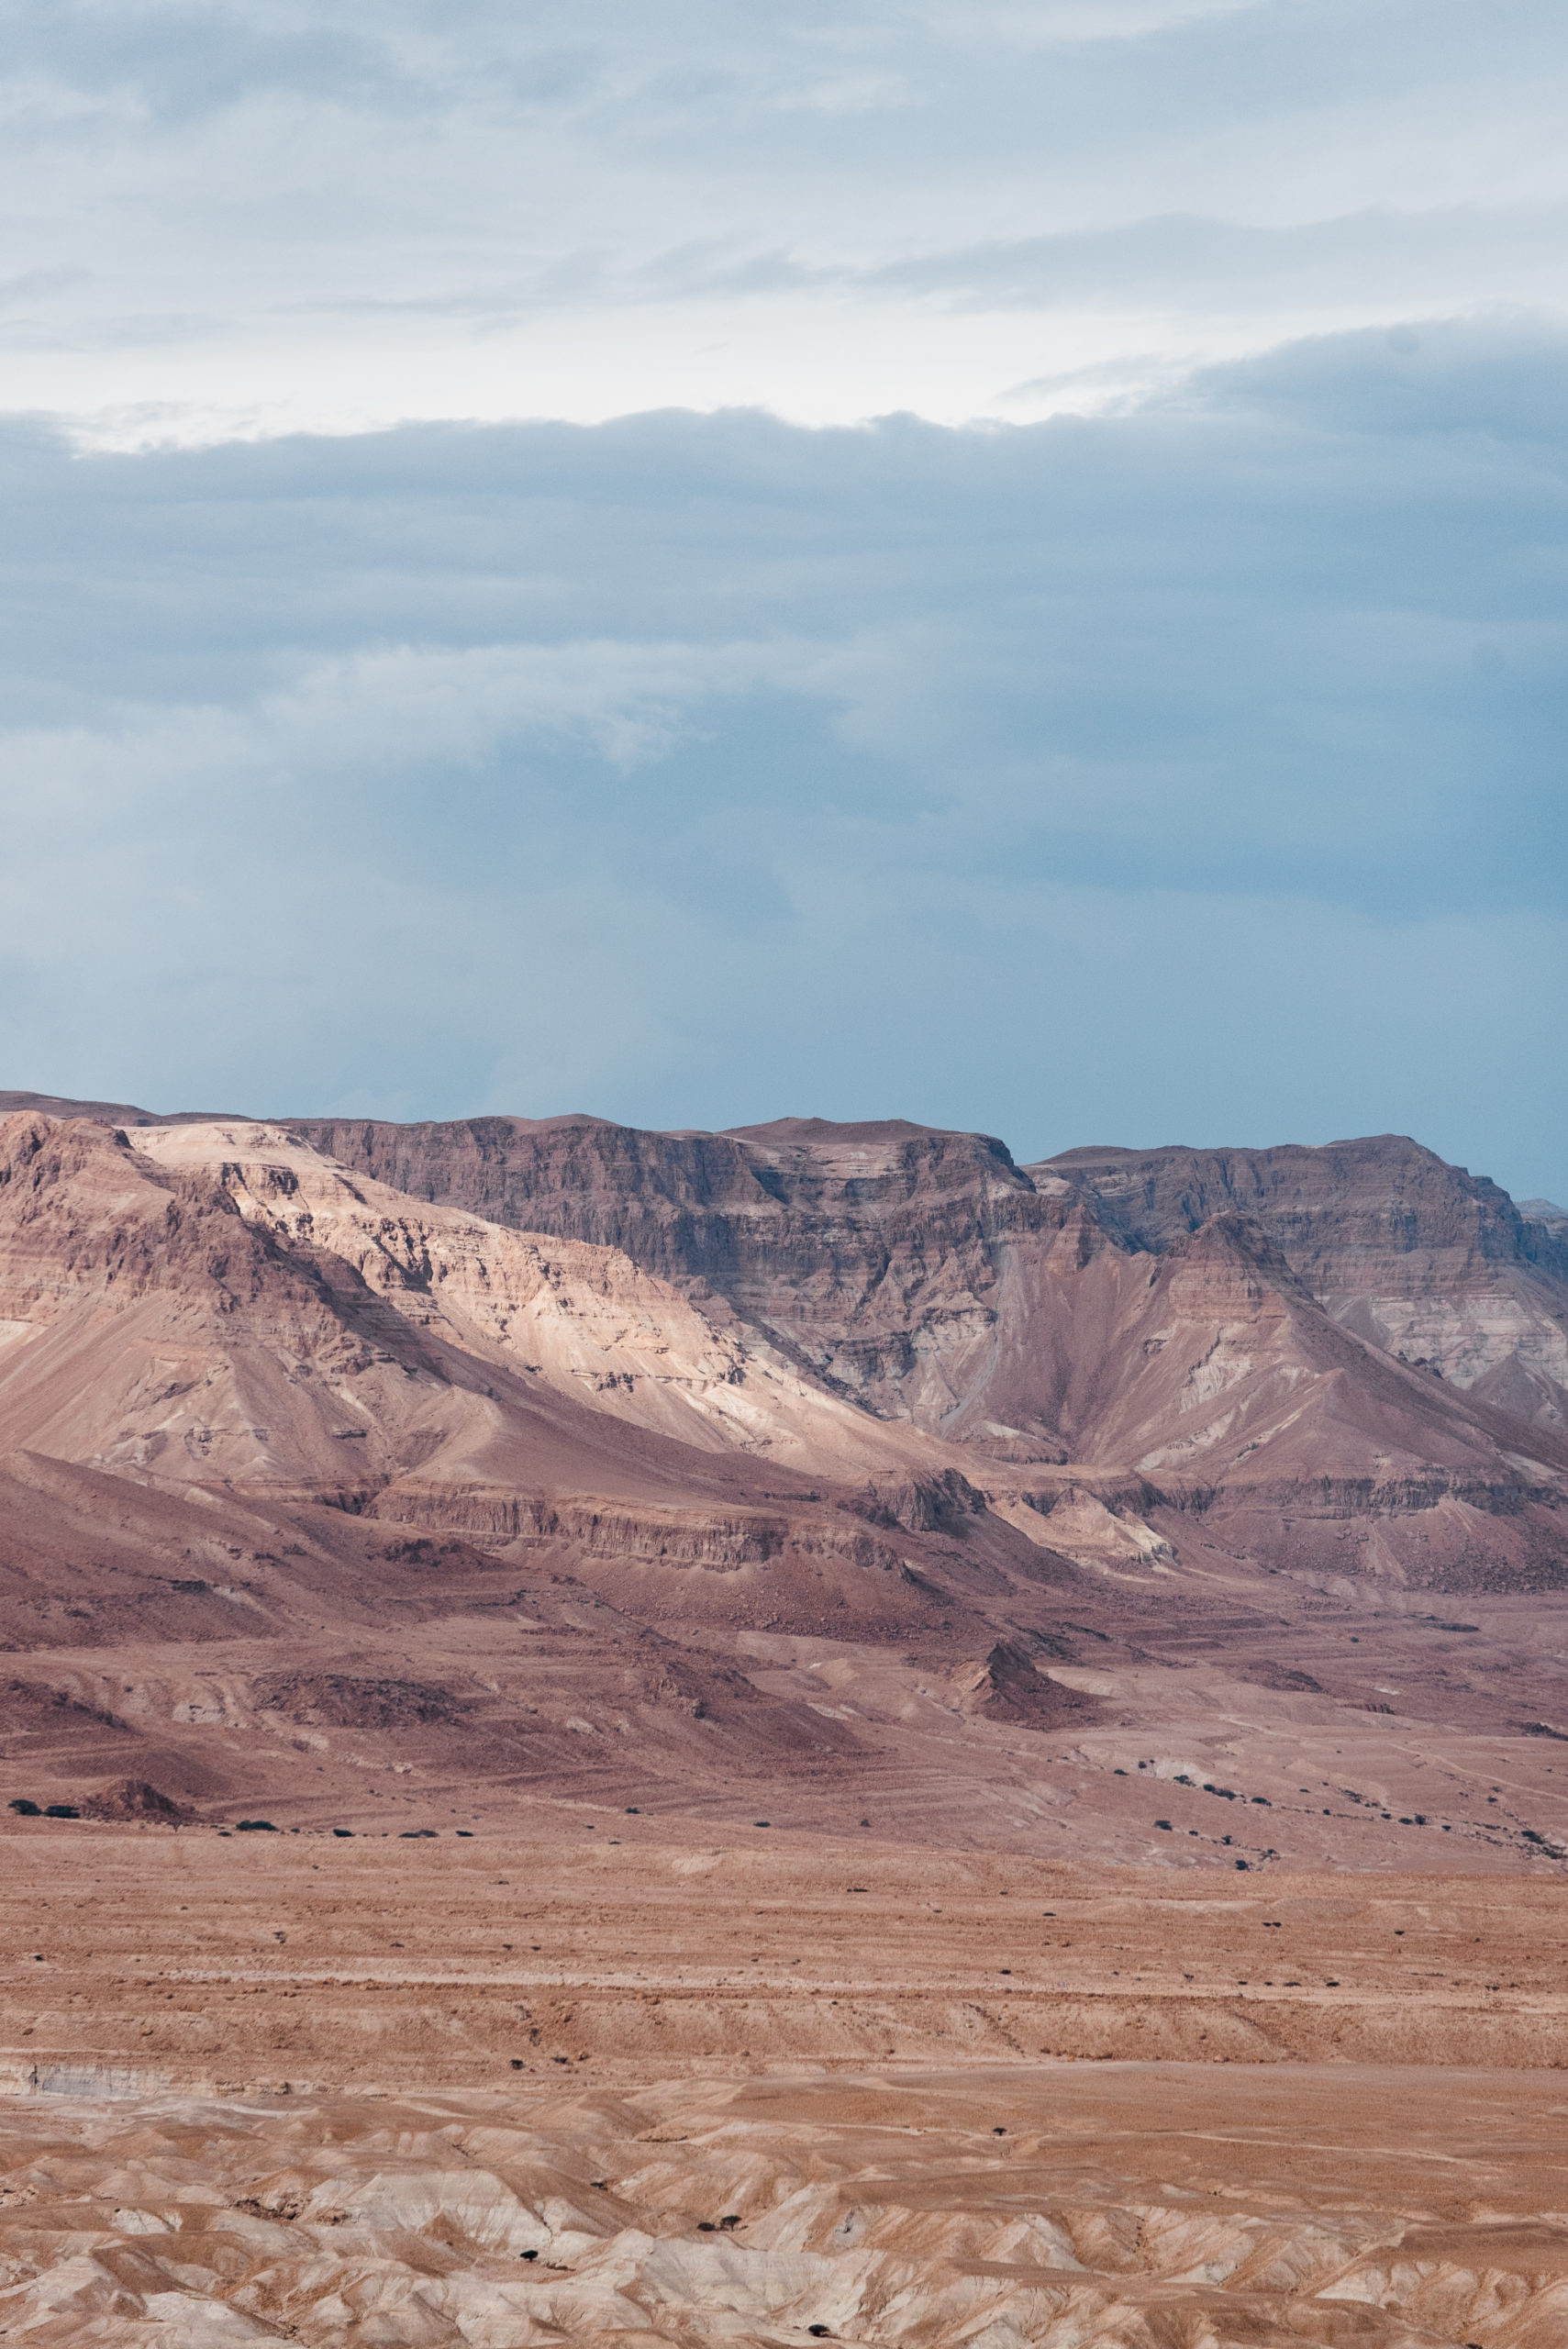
883	1251
220	1353
1428	1261
1304	1332
496	1615
1353	1335
871	1251
582	1320
223	1302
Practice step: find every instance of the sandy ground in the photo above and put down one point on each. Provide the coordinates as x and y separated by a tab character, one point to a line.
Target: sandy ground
236	1963
767	2089
1153	2207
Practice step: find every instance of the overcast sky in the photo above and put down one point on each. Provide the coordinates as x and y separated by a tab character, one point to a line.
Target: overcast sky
1004	565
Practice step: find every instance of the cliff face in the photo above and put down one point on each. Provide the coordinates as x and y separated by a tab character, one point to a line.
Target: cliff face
564	1316
927	1277
1432	1264
223	1302
878	1256
1303	1335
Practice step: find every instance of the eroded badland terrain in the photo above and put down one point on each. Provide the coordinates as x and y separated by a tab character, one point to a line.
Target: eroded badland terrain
854	1740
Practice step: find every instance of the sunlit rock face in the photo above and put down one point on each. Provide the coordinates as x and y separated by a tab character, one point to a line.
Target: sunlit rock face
892	1255
1358	1335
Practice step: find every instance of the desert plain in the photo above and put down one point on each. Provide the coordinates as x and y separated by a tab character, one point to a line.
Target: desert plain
530	2087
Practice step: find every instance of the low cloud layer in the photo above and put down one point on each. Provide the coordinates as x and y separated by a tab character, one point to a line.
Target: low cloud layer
1187	773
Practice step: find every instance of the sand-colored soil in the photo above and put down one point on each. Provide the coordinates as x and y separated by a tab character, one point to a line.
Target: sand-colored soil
236	1963
1169	2206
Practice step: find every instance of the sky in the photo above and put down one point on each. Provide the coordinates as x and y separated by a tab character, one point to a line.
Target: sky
1004	566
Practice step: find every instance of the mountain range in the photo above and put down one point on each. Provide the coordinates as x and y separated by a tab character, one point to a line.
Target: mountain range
856	1460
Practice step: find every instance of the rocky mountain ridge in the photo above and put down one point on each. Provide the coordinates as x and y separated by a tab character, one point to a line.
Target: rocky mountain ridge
925	1279
1424	1259
992	1436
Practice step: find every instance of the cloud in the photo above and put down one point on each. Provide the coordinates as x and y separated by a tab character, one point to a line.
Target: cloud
1191	769
235	220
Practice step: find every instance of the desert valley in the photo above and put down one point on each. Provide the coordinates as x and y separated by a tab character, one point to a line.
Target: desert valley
967	1751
